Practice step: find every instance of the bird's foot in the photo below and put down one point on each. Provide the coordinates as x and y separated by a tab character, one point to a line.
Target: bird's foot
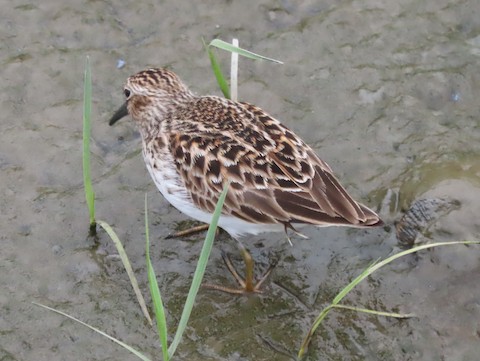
247	285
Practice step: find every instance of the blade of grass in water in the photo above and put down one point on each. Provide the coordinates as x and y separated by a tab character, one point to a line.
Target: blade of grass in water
87	114
367	272
127	266
155	292
199	272
124	345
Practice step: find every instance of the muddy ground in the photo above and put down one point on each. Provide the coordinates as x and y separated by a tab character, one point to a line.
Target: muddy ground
385	91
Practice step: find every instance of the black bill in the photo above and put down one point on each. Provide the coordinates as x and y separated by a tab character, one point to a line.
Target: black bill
119	114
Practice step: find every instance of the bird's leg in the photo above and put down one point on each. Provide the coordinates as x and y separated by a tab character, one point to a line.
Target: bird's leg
288	226
246	284
233	271
189	231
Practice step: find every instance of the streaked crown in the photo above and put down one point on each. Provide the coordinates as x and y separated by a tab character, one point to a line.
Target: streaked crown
154	81
154	92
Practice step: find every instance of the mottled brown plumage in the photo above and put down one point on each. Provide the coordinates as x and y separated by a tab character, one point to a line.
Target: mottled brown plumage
194	145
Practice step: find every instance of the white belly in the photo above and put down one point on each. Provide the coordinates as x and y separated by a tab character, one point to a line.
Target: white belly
172	188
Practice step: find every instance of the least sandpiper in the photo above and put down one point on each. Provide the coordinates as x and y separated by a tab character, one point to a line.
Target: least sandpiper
194	145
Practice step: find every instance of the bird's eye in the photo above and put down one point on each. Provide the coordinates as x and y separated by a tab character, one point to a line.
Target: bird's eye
127	93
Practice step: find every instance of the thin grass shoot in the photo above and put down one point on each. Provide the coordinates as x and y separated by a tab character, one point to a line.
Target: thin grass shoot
156	298
87	116
117	341
367	272
217	71
128	267
199	271
158	307
235	49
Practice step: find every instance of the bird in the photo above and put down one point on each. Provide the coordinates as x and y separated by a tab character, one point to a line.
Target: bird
193	146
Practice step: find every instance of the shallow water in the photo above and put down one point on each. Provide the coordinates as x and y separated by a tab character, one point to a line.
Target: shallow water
385	91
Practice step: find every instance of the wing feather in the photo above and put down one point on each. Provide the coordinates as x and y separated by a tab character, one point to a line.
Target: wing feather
275	177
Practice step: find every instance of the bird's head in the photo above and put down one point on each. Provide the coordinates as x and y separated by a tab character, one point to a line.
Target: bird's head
150	95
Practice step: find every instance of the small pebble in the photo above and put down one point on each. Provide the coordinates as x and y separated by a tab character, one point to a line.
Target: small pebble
24	230
455	96
120	63
57	249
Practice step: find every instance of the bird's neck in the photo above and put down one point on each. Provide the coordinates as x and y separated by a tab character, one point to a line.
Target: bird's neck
152	120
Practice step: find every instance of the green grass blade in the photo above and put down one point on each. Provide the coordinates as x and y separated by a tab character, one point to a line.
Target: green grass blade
87	115
353	283
234	49
199	272
327	309
367	272
217	71
155	292
124	345
377	265
127	266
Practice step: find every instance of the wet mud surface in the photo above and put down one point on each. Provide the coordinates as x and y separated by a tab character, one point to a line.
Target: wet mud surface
385	91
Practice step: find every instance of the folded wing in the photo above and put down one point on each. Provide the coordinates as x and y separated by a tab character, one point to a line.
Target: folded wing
275	177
